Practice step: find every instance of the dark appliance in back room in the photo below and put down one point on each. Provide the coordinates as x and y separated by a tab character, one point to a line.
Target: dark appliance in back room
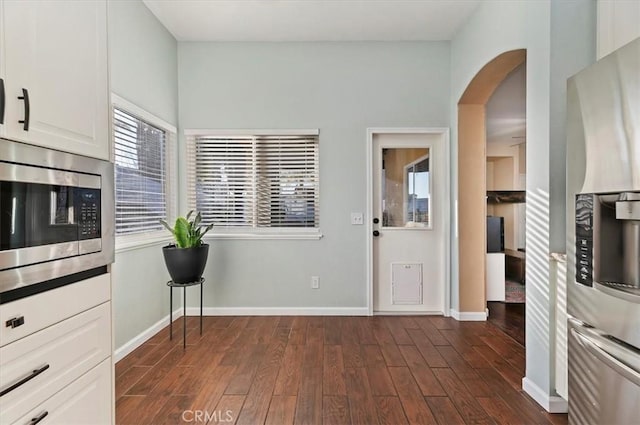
495	234
603	240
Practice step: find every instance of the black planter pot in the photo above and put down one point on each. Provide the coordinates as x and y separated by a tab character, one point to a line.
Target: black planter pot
185	264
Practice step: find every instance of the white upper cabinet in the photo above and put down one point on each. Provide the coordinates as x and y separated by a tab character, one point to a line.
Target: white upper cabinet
56	74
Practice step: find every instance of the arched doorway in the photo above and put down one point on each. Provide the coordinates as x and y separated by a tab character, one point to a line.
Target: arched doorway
472	204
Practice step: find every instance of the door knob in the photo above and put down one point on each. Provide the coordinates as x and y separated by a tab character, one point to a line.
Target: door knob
376	220
376	233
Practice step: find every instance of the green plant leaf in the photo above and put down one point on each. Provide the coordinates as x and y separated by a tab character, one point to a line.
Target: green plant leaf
206	229
164	223
181	233
189	214
197	221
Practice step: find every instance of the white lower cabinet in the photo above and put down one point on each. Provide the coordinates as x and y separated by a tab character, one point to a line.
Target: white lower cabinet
86	401
56	366
51	359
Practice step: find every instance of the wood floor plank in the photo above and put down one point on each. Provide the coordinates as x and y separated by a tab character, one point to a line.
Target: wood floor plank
309	400
332	330
228	409
465	372
174	411
413	403
298	335
333	371
508	372
335	410
429	352
245	372
281	410
362	408
499	410
127	379
506	350
423	375
527	409
390	411
381	382
147	383
256	404
427	326
444	411
146	410
349	333
288	379
352	355
125	405
465	403
398	332
133	358
286	321
213	389
392	355
373	356
365	331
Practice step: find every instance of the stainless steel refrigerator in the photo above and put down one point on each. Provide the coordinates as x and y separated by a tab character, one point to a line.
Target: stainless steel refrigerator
603	240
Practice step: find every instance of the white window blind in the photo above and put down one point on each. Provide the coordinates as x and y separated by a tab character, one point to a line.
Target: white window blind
141	174
255	181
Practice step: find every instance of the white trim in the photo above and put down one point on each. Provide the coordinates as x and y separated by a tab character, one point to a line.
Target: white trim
120	102
550	403
143	336
280	234
407	313
138	241
252	132
469	316
444	132
278	311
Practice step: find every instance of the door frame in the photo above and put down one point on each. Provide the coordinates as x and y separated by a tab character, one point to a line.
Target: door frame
444	133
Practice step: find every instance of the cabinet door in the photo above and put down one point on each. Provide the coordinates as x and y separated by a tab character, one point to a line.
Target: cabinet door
57	52
85	401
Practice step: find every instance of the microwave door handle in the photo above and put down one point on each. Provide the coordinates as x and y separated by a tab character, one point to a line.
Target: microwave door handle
630	369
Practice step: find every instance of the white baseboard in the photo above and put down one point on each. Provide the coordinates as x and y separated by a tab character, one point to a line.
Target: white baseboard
550	403
469	316
143	336
279	311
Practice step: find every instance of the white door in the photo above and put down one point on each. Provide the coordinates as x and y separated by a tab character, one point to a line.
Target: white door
409	249
56	72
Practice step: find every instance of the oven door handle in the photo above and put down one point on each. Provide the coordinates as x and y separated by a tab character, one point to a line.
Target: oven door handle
621	359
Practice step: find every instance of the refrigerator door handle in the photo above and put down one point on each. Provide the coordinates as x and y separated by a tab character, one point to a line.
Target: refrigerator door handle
617	357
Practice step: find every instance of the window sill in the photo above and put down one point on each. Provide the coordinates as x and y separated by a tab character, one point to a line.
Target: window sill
134	242
314	235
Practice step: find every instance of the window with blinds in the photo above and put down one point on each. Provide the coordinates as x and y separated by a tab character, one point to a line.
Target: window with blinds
140	174
255	182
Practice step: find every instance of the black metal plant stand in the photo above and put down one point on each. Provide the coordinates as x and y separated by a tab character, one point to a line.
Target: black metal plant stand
184	287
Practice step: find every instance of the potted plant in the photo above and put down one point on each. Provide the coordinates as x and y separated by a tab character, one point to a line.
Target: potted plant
187	257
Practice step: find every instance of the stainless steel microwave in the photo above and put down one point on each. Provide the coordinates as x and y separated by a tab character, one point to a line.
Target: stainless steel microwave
56	218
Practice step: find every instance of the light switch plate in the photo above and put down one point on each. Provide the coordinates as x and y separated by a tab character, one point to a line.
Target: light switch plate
357	218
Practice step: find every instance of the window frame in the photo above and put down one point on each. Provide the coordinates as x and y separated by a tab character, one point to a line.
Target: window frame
143	239
241	232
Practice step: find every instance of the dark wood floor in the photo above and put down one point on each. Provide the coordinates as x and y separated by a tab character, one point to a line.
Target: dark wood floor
328	370
509	317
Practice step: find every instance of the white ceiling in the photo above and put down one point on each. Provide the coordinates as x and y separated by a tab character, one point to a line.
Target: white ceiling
312	20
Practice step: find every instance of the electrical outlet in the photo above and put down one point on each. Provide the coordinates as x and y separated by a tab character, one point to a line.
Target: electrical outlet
315	282
357	218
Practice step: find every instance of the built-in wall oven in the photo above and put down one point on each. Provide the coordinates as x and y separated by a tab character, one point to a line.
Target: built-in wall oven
56	219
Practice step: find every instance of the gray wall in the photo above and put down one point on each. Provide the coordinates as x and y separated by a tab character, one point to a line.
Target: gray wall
340	88
558	36
143	61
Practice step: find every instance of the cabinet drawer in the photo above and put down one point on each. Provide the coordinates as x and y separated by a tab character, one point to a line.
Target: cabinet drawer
85	401
61	352
45	309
